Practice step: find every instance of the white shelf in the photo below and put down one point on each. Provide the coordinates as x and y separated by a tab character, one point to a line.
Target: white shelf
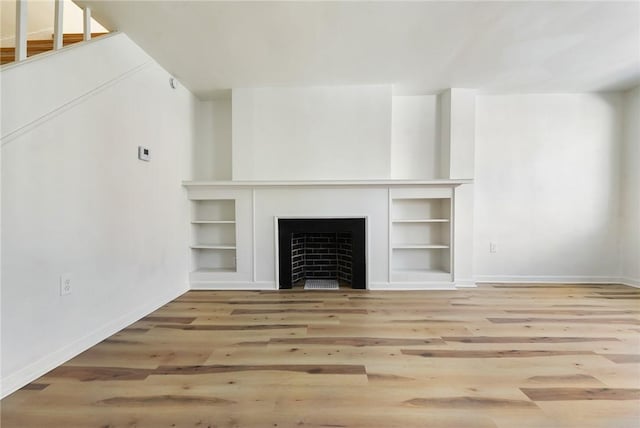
421	234
425	220
213	270
214	236
213	247
419	246
422	271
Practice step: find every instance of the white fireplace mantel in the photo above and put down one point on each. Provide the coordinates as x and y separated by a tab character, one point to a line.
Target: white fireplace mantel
326	183
410	228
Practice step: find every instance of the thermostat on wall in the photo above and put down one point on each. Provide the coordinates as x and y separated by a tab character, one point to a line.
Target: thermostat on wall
144	153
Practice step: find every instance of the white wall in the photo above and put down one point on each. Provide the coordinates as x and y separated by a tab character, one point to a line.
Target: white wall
75	199
312	133
547	187
112	57
457	119
630	231
461	132
212	150
415	152
74	19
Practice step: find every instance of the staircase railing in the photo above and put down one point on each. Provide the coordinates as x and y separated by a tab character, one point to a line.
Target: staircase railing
21	46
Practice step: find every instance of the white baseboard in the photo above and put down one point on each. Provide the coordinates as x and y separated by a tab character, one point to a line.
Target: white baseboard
31	372
465	283
394	286
233	285
549	279
408	286
631	282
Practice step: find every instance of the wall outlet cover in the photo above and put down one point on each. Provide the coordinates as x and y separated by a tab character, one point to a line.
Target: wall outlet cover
144	153
65	284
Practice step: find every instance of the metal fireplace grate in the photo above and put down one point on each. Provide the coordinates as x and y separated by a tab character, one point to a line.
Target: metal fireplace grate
321	284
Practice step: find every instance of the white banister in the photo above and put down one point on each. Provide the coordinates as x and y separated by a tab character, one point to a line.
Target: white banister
87	23
58	25
21	30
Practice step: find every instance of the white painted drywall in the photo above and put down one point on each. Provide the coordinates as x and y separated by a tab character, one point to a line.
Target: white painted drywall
457	111
112	57
74	21
420	46
547	187
212	150
630	228
462	127
463	235
455	157
311	133
75	199
444	122
415	148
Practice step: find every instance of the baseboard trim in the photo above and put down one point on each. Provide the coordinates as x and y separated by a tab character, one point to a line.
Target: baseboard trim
631	282
549	279
386	286
411	286
33	371
233	285
465	283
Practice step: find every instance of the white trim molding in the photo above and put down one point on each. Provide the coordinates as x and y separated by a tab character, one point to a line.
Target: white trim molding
631	282
465	283
233	285
325	183
549	279
411	286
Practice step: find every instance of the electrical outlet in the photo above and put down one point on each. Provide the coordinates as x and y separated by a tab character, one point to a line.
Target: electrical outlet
493	247
65	284
144	154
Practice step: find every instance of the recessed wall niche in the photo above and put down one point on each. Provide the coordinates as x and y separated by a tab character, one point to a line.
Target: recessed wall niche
361	132
211	154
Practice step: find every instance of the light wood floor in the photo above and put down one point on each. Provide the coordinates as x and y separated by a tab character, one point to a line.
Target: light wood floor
496	356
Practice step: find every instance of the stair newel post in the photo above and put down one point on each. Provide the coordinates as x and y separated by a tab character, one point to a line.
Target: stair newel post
87	23
58	25
21	30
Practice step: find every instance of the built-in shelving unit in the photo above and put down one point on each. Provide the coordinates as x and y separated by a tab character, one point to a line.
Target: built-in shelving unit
421	235
234	243
214	235
221	244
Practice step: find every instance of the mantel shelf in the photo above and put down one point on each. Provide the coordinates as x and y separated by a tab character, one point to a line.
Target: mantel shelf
419	246
326	183
426	220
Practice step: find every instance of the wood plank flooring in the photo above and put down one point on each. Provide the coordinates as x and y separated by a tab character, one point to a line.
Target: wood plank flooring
503	355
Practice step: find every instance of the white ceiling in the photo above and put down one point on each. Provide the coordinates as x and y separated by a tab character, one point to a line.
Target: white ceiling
420	47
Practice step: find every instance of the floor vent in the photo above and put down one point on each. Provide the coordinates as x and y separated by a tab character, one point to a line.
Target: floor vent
321	284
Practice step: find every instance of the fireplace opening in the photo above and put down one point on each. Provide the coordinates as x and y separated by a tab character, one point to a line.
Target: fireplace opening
325	256
322	249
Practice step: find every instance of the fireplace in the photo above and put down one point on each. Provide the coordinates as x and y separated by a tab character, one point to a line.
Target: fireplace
322	248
